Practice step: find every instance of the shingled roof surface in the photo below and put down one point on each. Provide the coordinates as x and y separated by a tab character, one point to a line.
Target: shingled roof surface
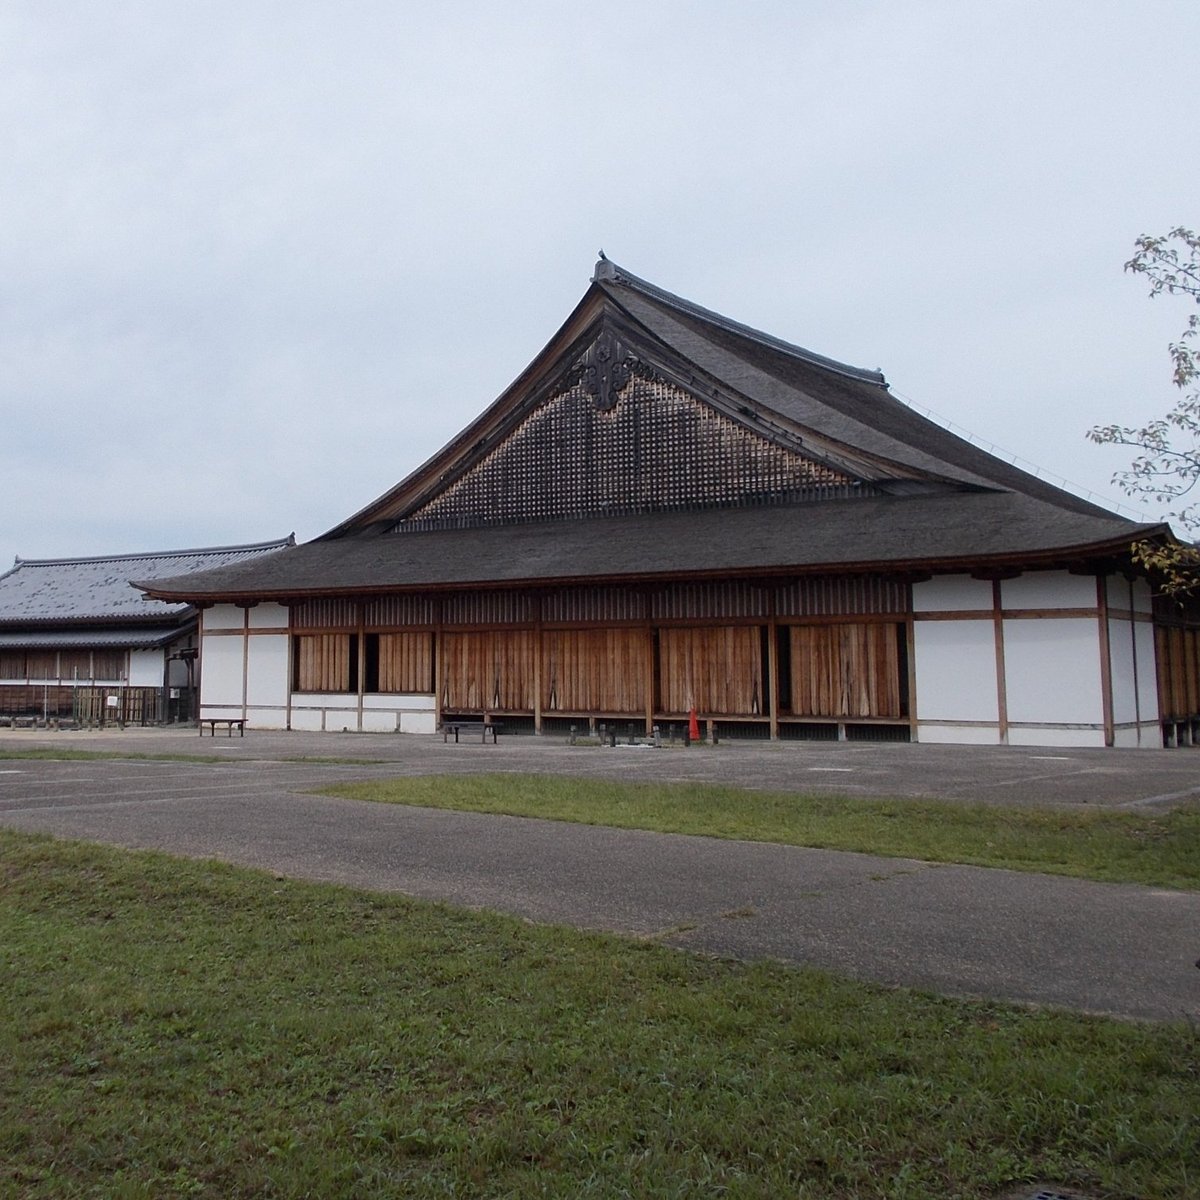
99	589
887	533
966	507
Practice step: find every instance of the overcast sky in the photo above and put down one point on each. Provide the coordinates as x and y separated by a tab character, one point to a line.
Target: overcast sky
259	260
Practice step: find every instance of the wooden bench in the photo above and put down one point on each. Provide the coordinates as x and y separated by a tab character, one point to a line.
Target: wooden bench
228	722
483	728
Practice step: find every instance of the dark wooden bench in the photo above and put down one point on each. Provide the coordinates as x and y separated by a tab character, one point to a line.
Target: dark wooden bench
228	722
483	728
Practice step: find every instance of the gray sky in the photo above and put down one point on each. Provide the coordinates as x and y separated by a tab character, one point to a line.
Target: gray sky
259	260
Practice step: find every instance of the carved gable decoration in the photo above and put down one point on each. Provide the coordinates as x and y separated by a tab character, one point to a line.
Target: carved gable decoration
617	437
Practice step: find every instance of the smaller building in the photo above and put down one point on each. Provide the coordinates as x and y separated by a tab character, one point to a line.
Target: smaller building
78	642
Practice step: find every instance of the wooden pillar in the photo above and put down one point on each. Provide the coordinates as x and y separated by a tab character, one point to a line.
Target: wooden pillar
361	635
1001	681
1106	695
773	672
439	661
648	666
538	662
245	660
291	664
910	641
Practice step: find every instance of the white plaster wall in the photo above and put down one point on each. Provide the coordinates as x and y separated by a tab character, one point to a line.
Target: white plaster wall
1147	670
1052	671
1119	590
1120	656
955	664
1048	589
420	702
959	735
380	722
146	668
223	616
221	672
268	616
1143	596
952	593
267	670
1044	735
1144	736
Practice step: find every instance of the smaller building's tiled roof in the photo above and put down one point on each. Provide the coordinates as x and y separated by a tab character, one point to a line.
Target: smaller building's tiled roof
65	590
122	637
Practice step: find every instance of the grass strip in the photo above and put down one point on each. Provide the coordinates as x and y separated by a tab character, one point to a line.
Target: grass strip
180	1028
1148	847
54	754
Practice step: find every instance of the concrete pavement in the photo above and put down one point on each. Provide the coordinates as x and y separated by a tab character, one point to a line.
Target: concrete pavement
1115	949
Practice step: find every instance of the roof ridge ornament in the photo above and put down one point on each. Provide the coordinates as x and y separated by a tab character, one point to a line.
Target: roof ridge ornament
605	269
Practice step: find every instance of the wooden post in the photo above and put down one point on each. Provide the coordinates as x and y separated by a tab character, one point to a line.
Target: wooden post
291	664
361	635
910	638
648	664
538	662
773	673
1106	695
1001	681
439	661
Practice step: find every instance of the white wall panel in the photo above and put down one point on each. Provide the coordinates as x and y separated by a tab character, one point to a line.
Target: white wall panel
1048	589
224	616
267	718
267	669
221	671
951	593
380	722
269	616
1122	594
956	671
394	703
959	735
146	668
418	722
1047	736
1052	671
1147	663
1120	655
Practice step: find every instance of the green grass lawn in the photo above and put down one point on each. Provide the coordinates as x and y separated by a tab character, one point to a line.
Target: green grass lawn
1160	848
172	1028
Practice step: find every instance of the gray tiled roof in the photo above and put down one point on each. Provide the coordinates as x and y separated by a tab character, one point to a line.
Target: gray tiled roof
98	589
48	637
937	532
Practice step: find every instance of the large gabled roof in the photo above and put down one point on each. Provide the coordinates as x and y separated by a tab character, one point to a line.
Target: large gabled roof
41	591
930	500
838	414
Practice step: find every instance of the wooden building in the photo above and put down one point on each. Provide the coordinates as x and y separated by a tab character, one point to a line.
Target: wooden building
671	511
78	641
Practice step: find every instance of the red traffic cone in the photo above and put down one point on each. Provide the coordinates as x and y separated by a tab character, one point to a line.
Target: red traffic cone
693	727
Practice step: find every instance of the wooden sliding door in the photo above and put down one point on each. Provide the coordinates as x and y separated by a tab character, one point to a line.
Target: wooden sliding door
594	670
489	671
715	670
848	670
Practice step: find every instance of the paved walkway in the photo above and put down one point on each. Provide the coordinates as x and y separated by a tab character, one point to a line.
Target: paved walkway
1106	948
